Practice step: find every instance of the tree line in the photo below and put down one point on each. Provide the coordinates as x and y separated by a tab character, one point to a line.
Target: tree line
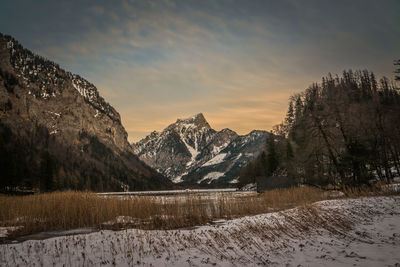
32	158
342	131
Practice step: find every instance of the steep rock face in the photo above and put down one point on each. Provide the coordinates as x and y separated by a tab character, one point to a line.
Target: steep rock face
224	167
57	99
189	152
175	149
36	93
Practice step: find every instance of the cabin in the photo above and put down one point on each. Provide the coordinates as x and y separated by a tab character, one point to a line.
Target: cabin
273	182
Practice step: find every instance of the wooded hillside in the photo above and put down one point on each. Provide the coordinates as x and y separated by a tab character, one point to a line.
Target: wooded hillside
342	131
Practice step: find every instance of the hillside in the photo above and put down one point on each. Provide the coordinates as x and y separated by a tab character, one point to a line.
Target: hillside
343	131
57	132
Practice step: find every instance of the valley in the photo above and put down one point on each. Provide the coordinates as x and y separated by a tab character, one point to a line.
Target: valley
199	133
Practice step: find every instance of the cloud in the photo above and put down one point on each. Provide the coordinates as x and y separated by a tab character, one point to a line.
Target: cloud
97	10
236	61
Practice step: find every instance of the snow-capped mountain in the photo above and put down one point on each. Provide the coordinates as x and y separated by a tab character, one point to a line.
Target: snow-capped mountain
189	151
46	79
60	129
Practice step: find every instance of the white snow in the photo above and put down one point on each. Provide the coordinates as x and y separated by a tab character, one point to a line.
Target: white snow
192	151
249	187
5	231
188	125
54	113
238	156
178	179
45	95
234	181
215	160
210	177
334	194
217	149
392	187
85	89
308	236
121	220
10	44
80	89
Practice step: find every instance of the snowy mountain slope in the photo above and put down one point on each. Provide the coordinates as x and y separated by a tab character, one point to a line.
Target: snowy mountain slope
189	151
46	79
229	160
175	150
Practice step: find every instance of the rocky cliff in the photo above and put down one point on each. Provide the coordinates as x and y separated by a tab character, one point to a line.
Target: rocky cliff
190	152
62	132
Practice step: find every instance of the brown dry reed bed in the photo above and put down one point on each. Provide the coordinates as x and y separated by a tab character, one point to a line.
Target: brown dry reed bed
70	210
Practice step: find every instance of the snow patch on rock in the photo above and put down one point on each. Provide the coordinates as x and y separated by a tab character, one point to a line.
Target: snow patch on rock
211	176
216	160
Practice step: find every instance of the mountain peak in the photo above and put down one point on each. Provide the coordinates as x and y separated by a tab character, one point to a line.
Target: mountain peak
198	120
189	151
199	116
81	130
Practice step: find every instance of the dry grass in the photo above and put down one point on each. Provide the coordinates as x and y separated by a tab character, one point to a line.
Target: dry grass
377	189
69	210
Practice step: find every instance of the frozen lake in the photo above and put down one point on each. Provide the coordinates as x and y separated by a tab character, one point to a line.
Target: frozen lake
171	192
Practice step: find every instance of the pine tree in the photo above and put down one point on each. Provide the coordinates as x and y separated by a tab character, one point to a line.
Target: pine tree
290	114
397	71
298	108
272	156
289	151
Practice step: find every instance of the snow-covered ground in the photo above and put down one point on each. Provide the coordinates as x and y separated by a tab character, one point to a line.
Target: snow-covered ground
347	232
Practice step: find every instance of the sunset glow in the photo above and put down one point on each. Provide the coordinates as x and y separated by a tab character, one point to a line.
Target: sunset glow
237	62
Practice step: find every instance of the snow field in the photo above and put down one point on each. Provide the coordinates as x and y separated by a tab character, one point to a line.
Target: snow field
347	232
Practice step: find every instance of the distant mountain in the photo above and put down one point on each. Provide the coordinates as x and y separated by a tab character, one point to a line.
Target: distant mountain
57	132
189	151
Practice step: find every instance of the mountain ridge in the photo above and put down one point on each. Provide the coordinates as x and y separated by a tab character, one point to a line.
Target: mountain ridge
72	136
189	151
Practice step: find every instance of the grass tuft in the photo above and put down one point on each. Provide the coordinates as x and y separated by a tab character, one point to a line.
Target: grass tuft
70	210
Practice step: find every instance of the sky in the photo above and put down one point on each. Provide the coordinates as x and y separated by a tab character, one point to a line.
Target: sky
237	62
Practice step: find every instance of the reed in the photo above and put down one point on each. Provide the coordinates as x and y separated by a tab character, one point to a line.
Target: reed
70	210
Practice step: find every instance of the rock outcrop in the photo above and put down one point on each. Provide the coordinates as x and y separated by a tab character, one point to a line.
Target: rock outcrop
73	138
190	152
